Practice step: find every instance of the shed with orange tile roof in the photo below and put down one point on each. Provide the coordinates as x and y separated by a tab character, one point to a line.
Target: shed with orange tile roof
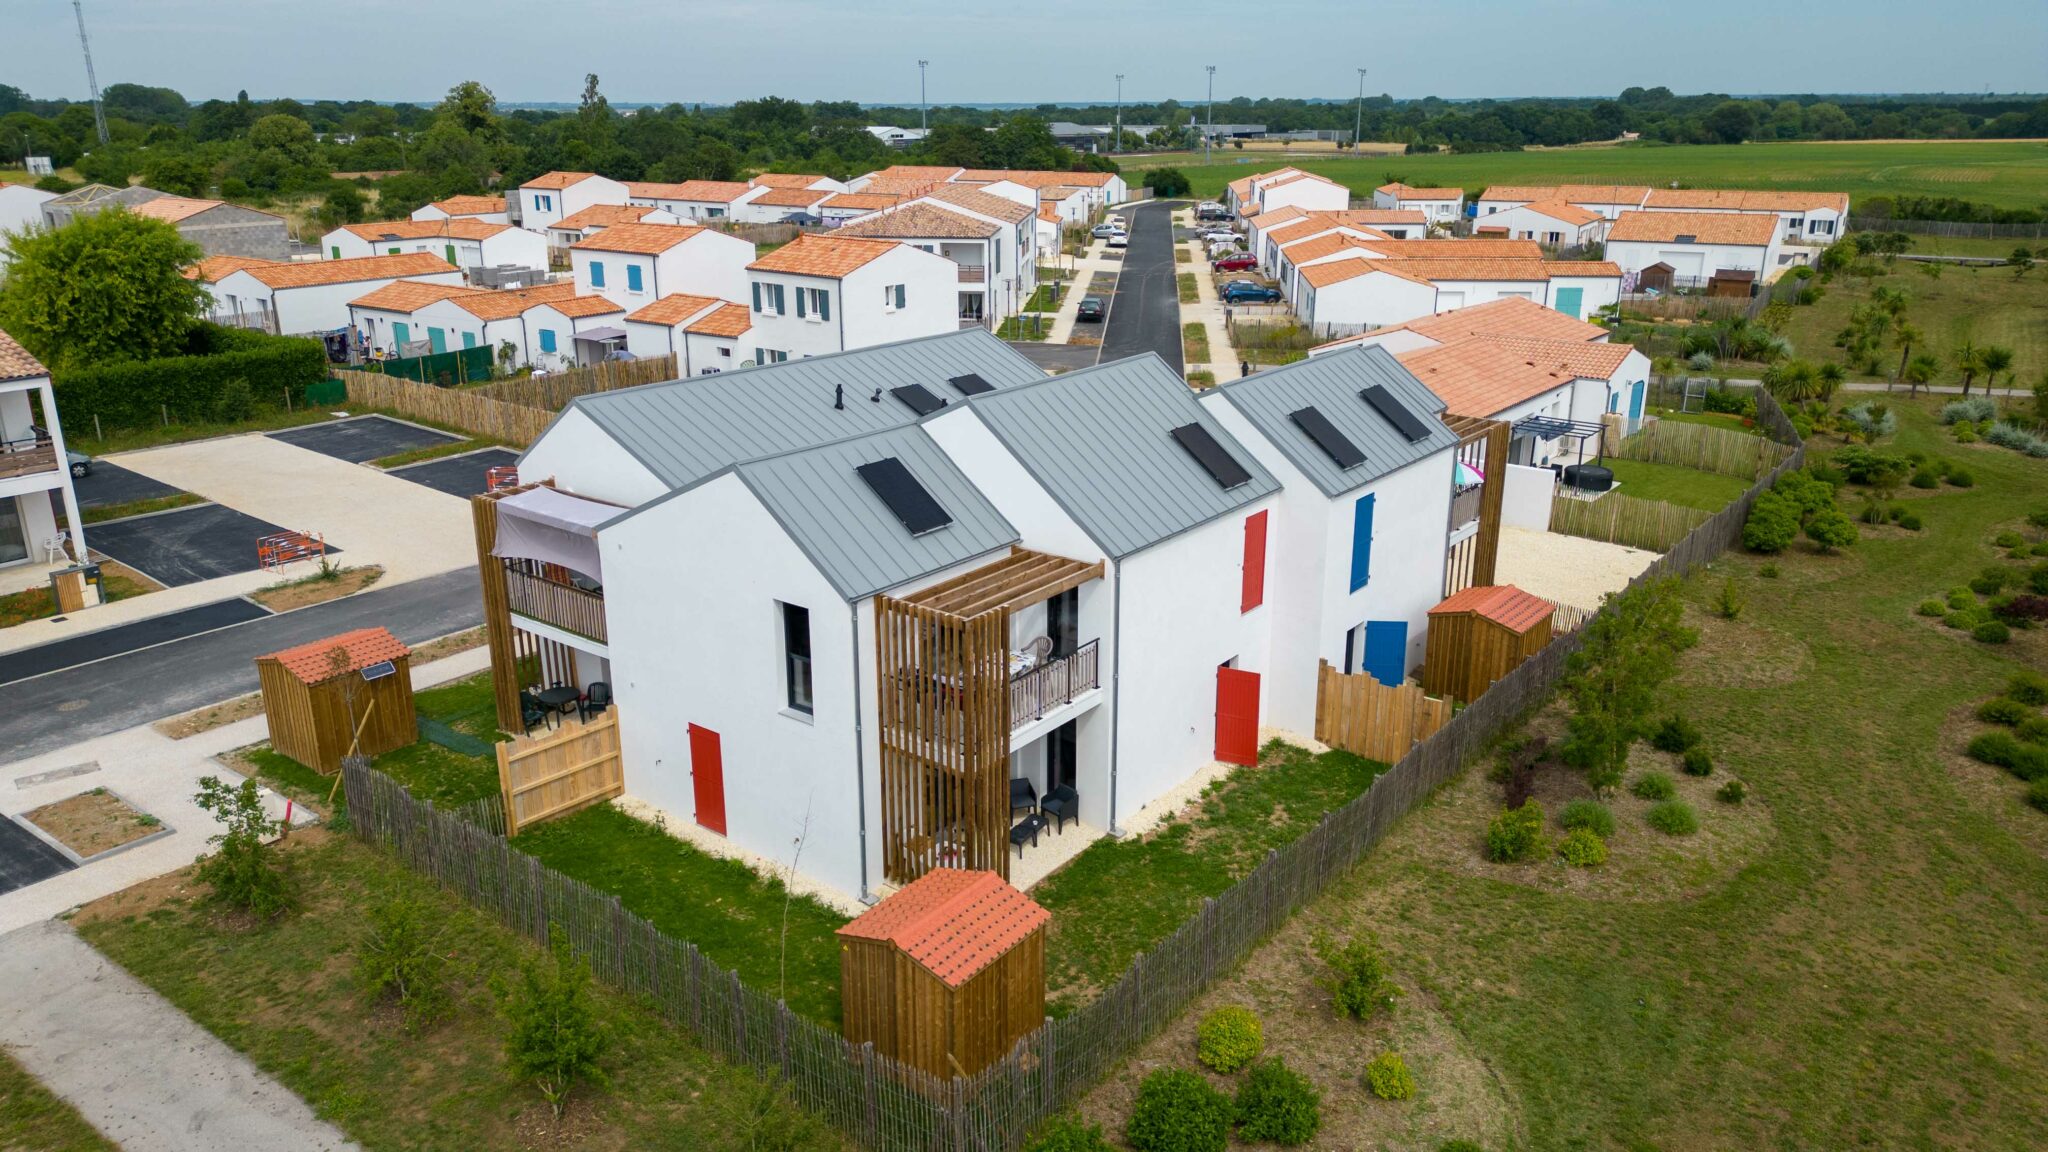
350	693
1480	635
947	974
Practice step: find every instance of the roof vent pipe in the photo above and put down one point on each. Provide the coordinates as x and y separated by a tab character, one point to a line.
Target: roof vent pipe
838	397
877	397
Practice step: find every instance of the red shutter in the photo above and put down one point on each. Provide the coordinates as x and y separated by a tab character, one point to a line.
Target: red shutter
707	778
1254	562
1237	716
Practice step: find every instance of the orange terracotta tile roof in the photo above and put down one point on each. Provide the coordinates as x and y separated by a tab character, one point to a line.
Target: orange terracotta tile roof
307	274
509	302
1735	200
1338	271
173	208
674	308
1630	194
791	197
730	320
814	254
557	180
1504	604
470	205
1562	211
1276	217
1461	249
861	201
315	663
917	172
425	229
953	922
1485	375
1036	178
1754	230
1049	215
602	216
212	268
785	180
702	191
642	239
1295	177
411	295
1404	192
16	363
905	186
1508	316
1301	252
1582	268
1475	268
919	221
1310	229
979	202
578	307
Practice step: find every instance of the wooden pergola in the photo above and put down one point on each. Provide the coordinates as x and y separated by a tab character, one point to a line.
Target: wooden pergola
942	660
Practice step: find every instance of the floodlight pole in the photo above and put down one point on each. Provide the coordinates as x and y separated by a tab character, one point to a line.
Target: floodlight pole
922	126
1358	125
1210	131
1116	142
99	113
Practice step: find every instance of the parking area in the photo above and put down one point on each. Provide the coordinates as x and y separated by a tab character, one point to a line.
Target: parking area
461	476
109	484
186	545
361	439
88	647
25	859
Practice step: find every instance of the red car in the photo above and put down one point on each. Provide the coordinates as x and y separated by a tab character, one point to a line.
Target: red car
1235	262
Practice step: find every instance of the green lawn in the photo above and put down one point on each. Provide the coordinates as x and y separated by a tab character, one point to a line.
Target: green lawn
1866	971
286	995
1121	897
2007	173
1987	305
32	1119
1708	491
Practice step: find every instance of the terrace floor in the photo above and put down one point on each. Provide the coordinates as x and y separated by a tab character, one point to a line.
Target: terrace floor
1567	569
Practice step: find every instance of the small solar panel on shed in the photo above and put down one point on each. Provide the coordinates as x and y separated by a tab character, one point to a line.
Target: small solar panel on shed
1211	456
1325	434
1396	413
971	384
904	495
918	398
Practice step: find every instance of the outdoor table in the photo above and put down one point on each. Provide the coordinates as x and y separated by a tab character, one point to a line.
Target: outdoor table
560	698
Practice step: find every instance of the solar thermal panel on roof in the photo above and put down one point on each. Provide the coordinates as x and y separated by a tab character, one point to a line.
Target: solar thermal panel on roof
1210	455
1395	412
919	398
906	498
1337	445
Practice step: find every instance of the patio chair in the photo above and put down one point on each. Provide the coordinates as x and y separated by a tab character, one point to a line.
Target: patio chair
1023	795
1062	804
531	711
1041	648
596	698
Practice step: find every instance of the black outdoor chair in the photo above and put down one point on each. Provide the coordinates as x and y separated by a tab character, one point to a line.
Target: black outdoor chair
531	711
1062	804
1023	796
596	698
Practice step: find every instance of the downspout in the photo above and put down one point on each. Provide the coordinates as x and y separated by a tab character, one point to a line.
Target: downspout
844	296
1116	700
860	783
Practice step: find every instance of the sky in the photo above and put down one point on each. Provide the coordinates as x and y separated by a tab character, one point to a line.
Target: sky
1043	51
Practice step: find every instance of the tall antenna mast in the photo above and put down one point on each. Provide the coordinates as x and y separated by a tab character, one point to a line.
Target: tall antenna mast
99	113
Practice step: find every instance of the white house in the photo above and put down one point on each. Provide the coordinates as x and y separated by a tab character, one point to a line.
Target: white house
35	472
1347	244
718	341
659	328
1552	223
1339	293
897	177
1608	200
843	206
696	199
1299	232
489	209
1440	205
774	205
1552	393
308	296
589	222
575	331
1508	316
1696	246
1805	217
1094	190
1304	190
386	319
553	195
633	265
987	237
502	319
462	241
823	293
21	208
1365	464
797	180
1241	196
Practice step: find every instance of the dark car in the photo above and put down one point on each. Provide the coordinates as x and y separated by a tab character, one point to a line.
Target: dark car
1091	309
1234	262
1250	294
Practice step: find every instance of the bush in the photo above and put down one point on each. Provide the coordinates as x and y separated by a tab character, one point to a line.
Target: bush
1177	1111
1590	815
244	871
1773	523
1277	1104
1728	601
1966	433
1356	977
1732	792
1165	182
397	956
1581	848
1697	762
2028	688
1516	834
1860	465
1464	1145
2008	540
1388	1077
1933	608
2037	794
2003	710
1768	571
554	1037
1965	619
1974	409
1961	599
227	375
2033	730
1991	632
1675	734
1831	530
1926	478
2037	578
1811	494
2040	549
1991	580
1910	521
1673	818
1229	1038
1998	749
1068	1134
1653	786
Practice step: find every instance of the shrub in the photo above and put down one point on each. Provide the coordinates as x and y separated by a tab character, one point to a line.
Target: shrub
1068	1134
1732	792
1653	786
1590	815
1960	478
244	871
2021	610
2003	710
397	956
1926	478
554	1039
1960	599
1675	734
1701	362
2038	519
1966	433
1831	530
1697	762
2033	730
227	374
1673	818
1860	465
1991	632
1515	834
1388	1077
1873	511
1910	521
2040	549
1964	619
1933	608
1356	976
1229	1038
2028	688
2037	578
1728	601
1768	571
1810	493
1991	580
2001	750
1177	1111
1581	848
1773	523
1973	409
1277	1104
2008	540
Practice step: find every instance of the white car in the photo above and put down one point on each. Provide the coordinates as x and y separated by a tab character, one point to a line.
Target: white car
1222	248
1214	234
1119	240
1117	222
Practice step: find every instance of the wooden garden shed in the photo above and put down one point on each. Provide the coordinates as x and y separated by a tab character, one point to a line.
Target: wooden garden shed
316	695
947	974
1480	635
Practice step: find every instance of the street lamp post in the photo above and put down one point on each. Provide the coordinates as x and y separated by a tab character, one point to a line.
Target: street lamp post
1358	125
1116	143
1209	133
922	126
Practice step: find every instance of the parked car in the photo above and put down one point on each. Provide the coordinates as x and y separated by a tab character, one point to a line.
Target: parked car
1119	240
79	461
1117	222
1234	262
1214	234
1092	309
1102	231
1210	210
1222	248
1243	293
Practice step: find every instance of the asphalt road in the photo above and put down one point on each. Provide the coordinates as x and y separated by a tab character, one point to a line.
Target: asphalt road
1144	314
91	700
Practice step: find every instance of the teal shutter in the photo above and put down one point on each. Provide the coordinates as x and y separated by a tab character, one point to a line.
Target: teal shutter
800	294
596	274
1570	301
401	333
899	295
1361	542
757	295
469	339
547	339
633	277
824	304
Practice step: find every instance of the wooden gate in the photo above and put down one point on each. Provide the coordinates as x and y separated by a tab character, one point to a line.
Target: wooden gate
1379	722
557	772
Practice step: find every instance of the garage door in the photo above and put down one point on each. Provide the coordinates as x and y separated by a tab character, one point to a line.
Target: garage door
1686	263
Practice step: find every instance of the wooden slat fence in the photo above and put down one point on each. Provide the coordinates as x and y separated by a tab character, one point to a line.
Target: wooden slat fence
1359	714
1618	518
885	1105
559	771
556	389
465	408
1701	447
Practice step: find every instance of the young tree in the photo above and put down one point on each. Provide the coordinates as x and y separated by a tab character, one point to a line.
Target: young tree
1612	680
243	870
1831	529
105	288
1994	359
1166	182
2022	261
555	1039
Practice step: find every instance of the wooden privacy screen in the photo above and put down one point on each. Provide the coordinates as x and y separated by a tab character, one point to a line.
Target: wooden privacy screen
1482	446
943	683
1359	714
560	771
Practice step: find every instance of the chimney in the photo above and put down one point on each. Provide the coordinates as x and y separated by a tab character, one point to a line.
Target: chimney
838	397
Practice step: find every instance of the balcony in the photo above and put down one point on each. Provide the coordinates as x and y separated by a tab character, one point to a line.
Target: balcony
1052	685
26	458
973	274
556	602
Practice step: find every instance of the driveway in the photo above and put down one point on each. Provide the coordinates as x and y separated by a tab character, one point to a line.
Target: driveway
461	476
1144	313
110	484
184	545
361	439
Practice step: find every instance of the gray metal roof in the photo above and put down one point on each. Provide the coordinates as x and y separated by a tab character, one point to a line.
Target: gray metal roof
846	530
1331	385
1100	441
685	430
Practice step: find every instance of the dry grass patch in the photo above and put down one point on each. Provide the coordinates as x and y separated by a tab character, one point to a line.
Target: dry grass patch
94	822
1740	654
1992	789
318	588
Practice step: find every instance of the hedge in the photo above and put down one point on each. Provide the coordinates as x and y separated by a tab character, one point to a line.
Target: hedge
228	373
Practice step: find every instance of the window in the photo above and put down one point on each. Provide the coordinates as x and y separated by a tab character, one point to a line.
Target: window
544	203
547	339
796	657
815	303
714	213
597	274
892	297
725	352
633	278
769	356
392	252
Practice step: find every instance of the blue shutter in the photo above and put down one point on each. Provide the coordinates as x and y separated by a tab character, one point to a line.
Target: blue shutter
633	277
1571	301
1361	542
1635	402
757	295
800	294
1386	651
547	339
824	304
596	274
401	333
469	339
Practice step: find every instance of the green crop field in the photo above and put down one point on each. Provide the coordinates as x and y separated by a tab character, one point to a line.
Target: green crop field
2007	173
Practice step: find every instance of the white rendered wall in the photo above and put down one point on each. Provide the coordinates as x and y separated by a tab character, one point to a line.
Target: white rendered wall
582	458
1525	500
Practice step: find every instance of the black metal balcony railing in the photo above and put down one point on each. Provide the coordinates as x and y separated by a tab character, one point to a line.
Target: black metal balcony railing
1056	682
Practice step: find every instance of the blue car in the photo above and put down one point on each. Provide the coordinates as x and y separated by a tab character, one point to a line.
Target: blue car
1250	294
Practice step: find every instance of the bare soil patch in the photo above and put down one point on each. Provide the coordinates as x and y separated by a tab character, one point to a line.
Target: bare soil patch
310	590
93	822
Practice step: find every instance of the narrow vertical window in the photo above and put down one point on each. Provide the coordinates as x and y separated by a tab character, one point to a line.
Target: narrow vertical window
796	656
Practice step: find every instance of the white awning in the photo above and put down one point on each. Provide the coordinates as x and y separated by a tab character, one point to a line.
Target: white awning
553	527
602	334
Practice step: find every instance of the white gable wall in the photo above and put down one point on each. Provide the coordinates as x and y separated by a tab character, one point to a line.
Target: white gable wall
582	458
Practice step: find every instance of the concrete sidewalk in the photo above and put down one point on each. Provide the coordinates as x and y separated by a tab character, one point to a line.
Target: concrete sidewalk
134	1066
